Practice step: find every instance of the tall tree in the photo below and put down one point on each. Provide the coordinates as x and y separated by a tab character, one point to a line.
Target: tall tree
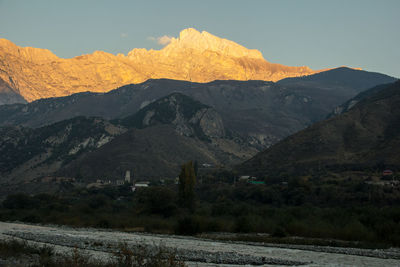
187	181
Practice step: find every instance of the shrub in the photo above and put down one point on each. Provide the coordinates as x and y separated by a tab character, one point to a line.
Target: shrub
243	224
147	256
18	201
279	232
187	225
96	202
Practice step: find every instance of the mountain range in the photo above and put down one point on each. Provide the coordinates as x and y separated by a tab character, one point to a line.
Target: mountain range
37	73
154	141
263	112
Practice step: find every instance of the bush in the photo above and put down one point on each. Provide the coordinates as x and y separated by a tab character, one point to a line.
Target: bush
243	225
32	218
158	200
19	201
188	225
279	232
103	223
96	202
139	255
12	248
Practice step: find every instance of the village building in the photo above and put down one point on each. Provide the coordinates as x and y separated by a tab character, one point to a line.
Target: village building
387	173
206	165
142	184
120	182
244	178
257	182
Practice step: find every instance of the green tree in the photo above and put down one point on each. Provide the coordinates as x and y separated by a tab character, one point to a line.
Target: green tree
187	181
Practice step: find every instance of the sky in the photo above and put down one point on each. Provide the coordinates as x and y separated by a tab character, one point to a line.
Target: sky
316	33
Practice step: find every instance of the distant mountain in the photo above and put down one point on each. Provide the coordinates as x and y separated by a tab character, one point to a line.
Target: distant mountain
342	78
351	102
199	57
344	82
366	136
262	111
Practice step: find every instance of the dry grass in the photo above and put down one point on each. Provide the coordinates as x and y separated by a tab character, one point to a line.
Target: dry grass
125	256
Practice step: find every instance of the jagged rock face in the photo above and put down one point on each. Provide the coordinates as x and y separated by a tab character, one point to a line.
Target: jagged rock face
37	73
203	57
210	123
200	57
188	117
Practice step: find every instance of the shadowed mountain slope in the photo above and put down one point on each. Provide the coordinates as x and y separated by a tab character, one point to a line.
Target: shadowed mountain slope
27	153
157	151
8	95
342	78
189	117
166	133
263	111
346	106
172	131
367	136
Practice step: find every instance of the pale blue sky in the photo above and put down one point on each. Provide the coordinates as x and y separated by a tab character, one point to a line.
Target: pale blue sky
316	33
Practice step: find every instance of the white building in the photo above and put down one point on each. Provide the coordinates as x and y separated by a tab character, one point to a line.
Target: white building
128	177
120	182
142	184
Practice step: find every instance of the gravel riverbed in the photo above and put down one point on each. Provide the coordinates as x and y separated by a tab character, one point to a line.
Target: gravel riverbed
198	252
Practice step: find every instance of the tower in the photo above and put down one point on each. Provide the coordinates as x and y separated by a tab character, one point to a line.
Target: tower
128	177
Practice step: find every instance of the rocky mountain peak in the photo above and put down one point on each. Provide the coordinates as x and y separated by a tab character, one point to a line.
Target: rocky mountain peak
193	56
188	32
192	39
26	53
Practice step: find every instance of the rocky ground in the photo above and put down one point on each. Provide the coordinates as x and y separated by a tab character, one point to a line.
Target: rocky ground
198	252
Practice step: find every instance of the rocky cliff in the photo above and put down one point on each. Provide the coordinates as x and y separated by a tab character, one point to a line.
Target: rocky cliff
188	117
193	56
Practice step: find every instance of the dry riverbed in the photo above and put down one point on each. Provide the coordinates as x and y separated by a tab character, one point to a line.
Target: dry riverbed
198	252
